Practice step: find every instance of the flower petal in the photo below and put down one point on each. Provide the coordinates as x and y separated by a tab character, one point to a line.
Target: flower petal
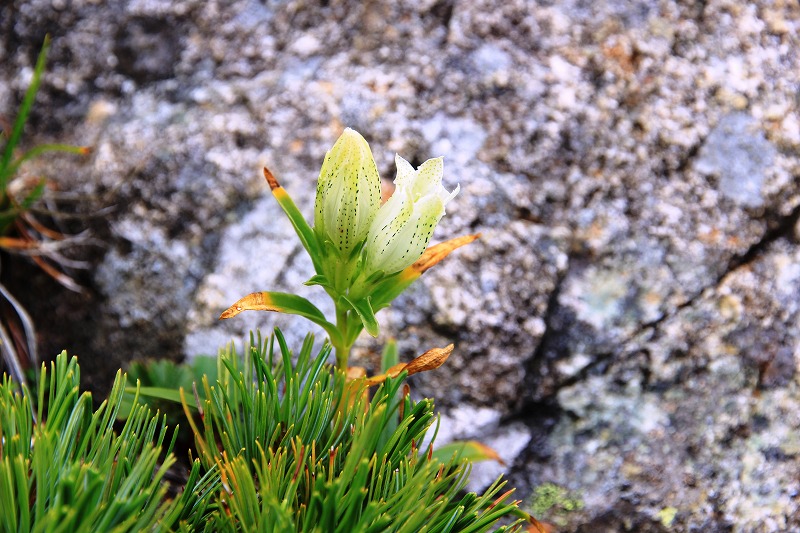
404	225
429	175
405	172
348	193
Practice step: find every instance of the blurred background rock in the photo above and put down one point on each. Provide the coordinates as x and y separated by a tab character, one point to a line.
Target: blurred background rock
628	327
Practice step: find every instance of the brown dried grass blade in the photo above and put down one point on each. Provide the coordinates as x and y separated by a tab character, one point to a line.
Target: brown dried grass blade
41	228
13	243
57	275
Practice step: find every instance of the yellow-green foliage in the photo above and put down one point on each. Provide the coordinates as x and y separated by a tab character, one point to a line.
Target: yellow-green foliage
285	443
70	471
300	449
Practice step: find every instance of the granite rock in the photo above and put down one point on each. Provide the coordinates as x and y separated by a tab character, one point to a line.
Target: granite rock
629	318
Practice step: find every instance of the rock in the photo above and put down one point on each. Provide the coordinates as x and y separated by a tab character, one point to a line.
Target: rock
690	408
629	316
147	49
738	158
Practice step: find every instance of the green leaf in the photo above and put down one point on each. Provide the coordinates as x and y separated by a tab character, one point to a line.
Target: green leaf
41	149
364	311
301	227
204	365
81	475
299	449
34	195
283	302
319	279
389	357
163	393
22	117
470	450
9	166
389	288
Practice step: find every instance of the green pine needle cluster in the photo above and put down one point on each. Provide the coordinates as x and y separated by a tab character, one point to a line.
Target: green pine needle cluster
71	471
299	449
284	443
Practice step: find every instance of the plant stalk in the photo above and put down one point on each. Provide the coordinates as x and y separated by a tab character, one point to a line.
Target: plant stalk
343	349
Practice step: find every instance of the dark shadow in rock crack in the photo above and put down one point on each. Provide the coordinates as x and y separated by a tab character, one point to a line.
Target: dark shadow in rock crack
148	48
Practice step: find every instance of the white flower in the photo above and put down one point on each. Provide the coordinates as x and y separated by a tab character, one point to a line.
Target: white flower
403	226
348	193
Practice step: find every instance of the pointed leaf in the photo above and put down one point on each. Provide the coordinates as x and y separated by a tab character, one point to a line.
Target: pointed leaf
301	227
319	279
364	311
25	108
282	302
437	252
390	288
40	149
470	450
389	357
34	195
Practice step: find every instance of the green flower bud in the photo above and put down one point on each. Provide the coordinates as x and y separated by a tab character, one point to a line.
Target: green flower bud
403	226
348	193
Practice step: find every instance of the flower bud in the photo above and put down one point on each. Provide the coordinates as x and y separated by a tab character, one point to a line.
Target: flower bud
403	226
348	193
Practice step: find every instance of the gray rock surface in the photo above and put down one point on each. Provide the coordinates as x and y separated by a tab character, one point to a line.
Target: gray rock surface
627	327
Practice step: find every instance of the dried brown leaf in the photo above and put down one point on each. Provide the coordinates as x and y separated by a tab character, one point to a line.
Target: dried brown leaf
257	301
540	527
430	360
271	180
437	252
356	372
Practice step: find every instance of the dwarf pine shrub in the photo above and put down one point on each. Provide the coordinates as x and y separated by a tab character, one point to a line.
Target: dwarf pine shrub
298	448
71	471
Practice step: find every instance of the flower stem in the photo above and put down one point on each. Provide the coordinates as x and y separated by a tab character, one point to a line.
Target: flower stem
343	350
